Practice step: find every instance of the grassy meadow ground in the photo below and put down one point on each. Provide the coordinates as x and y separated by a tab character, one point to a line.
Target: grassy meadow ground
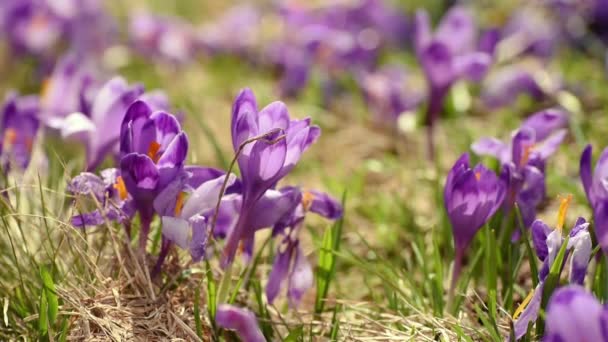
395	248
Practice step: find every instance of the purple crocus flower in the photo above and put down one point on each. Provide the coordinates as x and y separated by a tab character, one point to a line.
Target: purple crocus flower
153	148
523	159
20	121
573	314
240	320
164	37
547	243
471	197
597	192
110	194
263	162
447	56
290	262
530	31
389	93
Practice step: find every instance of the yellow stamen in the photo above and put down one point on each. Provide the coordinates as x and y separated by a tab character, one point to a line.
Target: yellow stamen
121	187
153	151
307	198
525	157
10	136
478	176
179	203
563	209
45	90
523	305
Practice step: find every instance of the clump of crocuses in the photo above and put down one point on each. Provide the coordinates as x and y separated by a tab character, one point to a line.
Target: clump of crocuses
471	196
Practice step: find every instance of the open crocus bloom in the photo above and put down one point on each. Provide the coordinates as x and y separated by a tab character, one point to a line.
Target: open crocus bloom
573	314
547	243
596	188
109	192
290	262
263	162
19	126
471	196
524	158
240	320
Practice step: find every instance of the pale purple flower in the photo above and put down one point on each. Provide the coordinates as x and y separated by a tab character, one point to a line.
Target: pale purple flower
242	321
235	32
594	183
265	161
573	314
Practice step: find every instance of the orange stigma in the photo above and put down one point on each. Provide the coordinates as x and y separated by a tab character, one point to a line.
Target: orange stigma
179	203
10	136
29	144
121	187
525	157
39	22
307	198
478	176
153	151
563	209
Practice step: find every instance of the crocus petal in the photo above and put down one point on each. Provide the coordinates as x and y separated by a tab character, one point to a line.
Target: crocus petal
87	183
200	175
172	160
573	314
280	269
581	245
176	230
244	105
539	238
266	160
585	172
473	66
490	147
551	144
325	205
242	321
198	245
600	213
300	279
272	206
140	176
423	33
437	62
205	197
76	125
273	116
457	30
546	122
136	116
167	127
529	314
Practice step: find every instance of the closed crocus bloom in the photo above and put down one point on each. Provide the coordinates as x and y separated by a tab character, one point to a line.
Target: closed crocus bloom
263	162
242	321
20	122
597	192
290	262
547	243
154	150
471	197
446	56
574	315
